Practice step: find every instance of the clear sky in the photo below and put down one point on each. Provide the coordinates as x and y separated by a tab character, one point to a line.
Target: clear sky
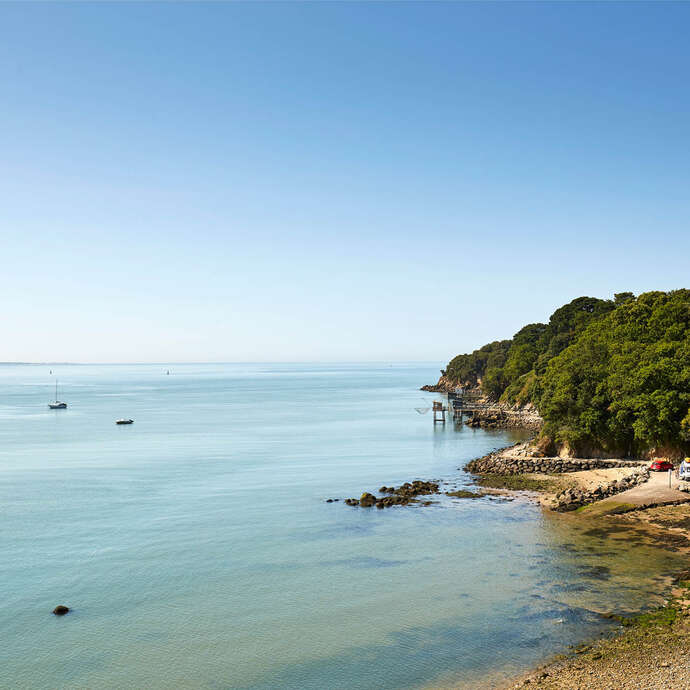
227	182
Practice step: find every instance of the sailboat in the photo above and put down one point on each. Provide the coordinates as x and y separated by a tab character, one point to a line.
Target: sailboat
57	405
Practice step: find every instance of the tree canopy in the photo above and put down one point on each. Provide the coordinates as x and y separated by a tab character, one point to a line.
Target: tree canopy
502	368
604	374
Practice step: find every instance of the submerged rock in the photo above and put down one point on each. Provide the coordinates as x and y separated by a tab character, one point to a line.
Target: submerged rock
61	610
461	493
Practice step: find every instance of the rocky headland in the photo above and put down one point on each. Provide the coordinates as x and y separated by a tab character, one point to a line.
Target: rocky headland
443	385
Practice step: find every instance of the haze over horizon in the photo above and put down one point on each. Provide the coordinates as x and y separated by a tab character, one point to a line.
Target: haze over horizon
332	182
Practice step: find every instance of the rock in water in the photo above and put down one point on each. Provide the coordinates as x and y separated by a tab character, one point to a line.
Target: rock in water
61	610
367	500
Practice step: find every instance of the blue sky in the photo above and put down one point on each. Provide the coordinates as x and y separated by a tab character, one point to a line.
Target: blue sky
365	181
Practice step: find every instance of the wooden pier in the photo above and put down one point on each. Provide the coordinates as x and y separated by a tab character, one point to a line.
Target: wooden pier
461	403
439	412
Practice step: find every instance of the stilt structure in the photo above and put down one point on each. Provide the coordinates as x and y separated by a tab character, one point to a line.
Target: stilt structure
439	412
465	403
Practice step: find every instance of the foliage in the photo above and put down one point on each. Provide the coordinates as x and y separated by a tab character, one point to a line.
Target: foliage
469	369
508	365
604	374
624	384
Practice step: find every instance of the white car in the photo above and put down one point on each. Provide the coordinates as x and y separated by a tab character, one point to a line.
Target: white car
684	470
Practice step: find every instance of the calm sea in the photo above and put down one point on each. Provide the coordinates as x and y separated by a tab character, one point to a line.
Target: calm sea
196	548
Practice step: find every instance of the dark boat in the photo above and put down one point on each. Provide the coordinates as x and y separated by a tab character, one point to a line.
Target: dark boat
124	421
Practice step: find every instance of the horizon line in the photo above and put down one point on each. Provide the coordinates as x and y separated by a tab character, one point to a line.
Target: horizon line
266	361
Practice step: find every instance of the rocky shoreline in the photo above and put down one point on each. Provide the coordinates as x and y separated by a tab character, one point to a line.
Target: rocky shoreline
501	470
649	650
572	498
443	385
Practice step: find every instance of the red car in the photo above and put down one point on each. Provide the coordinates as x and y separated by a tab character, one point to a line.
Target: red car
661	466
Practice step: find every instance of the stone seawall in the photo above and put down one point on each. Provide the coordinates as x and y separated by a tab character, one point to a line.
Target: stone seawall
496	463
571	499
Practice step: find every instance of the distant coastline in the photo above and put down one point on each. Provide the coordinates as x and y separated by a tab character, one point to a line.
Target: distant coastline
37	364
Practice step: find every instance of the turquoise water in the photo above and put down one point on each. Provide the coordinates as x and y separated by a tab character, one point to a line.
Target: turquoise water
197	550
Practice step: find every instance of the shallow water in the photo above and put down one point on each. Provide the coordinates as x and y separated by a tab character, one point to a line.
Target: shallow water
197	550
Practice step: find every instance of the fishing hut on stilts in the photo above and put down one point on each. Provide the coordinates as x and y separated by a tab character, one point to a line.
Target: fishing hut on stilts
465	403
439	412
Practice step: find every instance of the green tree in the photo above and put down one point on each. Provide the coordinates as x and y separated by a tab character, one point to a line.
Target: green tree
605	374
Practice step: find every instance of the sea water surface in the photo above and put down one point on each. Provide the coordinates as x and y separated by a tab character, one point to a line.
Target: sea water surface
196	549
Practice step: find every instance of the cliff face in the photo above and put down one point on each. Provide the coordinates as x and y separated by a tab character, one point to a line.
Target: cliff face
444	385
664	452
498	416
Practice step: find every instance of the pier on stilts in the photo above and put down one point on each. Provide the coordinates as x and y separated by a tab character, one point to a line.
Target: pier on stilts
463	403
439	410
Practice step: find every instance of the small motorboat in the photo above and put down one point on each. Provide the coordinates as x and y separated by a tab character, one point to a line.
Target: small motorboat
124	421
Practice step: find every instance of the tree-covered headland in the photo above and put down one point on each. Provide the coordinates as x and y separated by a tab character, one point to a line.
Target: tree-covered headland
606	375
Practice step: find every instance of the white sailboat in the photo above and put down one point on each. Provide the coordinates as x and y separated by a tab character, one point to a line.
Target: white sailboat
57	405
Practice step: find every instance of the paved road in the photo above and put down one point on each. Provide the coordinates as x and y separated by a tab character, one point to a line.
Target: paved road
655	492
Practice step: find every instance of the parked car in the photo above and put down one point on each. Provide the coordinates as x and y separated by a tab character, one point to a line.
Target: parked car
684	470
661	466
